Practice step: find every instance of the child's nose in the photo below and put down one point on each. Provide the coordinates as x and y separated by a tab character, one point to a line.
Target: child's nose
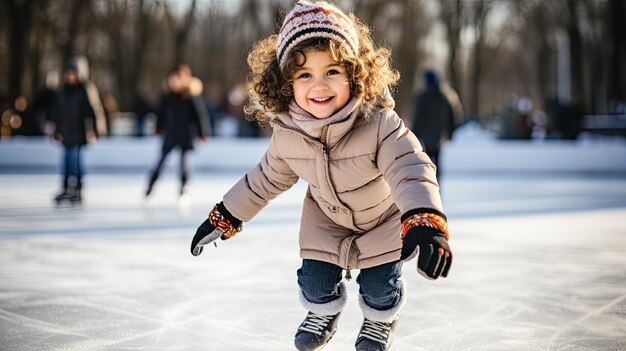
320	83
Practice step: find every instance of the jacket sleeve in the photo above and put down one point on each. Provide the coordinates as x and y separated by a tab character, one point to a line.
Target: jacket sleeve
455	105
201	116
270	178
56	115
407	169
162	115
89	116
93	95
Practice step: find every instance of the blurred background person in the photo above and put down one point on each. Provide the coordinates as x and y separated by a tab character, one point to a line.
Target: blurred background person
75	125
93	94
437	112
44	102
143	109
181	117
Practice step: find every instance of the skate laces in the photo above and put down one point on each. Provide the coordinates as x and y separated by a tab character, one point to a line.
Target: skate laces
376	331
314	323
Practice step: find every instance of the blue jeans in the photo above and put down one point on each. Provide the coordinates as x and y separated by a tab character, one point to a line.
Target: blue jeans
72	166
378	285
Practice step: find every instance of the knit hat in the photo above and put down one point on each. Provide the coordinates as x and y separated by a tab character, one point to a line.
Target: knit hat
314	20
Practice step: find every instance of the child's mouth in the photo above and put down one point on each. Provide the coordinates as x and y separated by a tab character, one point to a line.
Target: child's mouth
322	99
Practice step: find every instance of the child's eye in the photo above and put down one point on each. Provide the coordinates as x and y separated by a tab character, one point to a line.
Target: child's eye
303	75
333	72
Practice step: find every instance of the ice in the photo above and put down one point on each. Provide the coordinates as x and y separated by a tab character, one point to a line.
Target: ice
539	265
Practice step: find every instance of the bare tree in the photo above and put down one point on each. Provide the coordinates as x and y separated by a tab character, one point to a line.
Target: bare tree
576	44
616	24
19	19
402	25
59	25
214	36
414	26
480	9
127	25
77	12
37	46
451	16
544	57
181	29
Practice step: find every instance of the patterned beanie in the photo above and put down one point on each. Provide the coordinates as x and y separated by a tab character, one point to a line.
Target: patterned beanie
313	20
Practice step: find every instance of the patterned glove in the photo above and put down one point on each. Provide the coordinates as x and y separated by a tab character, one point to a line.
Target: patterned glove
220	224
425	234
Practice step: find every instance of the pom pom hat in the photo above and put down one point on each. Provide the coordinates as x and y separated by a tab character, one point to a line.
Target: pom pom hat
314	20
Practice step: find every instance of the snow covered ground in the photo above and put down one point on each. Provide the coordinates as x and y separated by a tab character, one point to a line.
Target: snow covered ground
540	264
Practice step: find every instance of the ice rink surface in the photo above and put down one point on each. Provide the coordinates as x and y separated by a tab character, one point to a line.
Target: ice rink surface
540	264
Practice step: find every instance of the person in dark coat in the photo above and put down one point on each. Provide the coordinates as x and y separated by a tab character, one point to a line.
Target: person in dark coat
74	126
45	100
180	119
437	112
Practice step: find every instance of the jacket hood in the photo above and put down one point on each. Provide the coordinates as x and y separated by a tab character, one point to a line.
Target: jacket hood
195	87
81	66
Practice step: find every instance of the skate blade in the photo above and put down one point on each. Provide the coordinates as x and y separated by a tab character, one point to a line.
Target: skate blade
184	200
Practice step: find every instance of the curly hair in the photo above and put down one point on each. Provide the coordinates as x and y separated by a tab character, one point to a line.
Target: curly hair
270	89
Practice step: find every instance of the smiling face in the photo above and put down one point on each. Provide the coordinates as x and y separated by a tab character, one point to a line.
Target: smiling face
320	85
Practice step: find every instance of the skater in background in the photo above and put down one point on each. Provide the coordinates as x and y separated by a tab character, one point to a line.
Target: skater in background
181	117
437	112
373	199
44	103
102	121
75	124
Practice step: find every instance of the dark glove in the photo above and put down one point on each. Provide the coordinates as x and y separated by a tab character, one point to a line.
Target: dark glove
431	247
220	224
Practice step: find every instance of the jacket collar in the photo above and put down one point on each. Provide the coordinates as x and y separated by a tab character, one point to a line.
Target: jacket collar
363	112
331	133
336	131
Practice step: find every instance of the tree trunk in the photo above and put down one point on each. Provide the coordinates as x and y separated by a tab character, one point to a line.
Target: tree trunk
617	28
180	34
451	16
139	48
481	9
576	56
544	58
76	12
19	19
408	57
34	61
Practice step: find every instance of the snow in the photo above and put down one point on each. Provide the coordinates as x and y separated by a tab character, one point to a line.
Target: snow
539	265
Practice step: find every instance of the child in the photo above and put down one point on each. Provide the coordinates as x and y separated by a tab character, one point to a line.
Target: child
372	200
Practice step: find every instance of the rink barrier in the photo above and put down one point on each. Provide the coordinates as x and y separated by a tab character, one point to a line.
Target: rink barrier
243	153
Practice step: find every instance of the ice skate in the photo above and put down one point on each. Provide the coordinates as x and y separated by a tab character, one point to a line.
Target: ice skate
150	187
183	197
375	336
315	331
149	190
65	195
76	199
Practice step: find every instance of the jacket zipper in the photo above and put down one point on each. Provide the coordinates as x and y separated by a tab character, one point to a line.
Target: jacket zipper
322	140
323	137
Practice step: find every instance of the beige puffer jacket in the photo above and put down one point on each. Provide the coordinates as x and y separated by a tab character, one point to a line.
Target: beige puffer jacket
362	175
